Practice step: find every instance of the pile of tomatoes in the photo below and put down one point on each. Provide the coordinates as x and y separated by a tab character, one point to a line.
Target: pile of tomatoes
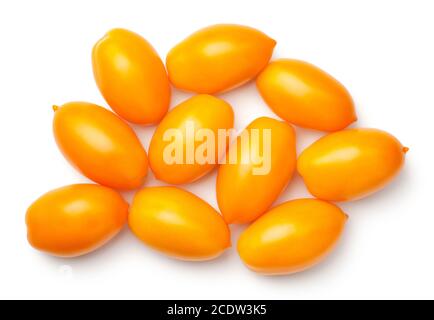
344	165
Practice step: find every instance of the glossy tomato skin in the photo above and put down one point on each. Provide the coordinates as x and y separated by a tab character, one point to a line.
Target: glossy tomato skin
201	111
100	145
218	58
351	164
243	194
306	96
75	220
131	77
291	237
178	224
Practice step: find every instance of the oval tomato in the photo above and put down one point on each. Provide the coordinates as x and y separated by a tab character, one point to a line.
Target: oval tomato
102	146
291	237
218	58
247	188
351	164
306	96
178	223
131	77
75	220
185	144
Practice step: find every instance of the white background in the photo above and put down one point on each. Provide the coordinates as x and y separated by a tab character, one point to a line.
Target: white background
383	51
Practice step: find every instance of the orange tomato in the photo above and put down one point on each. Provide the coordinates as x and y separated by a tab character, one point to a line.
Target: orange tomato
291	237
351	164
131	77
181	133
178	224
243	191
218	58
306	96
75	220
102	146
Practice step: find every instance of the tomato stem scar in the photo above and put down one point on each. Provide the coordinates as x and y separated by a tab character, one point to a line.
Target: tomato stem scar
55	108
